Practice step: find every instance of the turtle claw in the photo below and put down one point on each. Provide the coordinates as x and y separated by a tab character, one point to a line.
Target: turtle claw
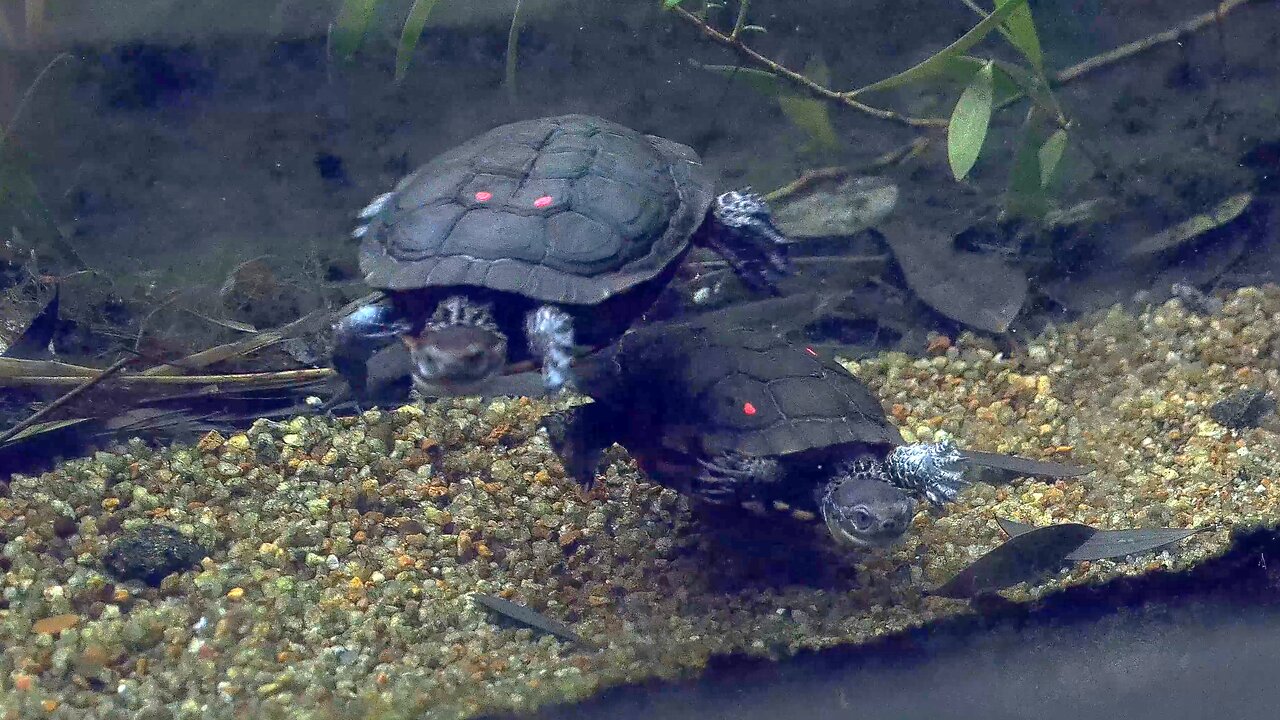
550	333
744	234
933	470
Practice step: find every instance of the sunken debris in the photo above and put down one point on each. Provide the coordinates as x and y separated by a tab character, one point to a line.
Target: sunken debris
527	616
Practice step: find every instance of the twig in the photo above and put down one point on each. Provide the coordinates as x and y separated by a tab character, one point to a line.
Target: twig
824	260
820	175
1173	34
246	380
75	392
799	79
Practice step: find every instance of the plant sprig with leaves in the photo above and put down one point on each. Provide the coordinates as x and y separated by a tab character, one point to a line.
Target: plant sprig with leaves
989	85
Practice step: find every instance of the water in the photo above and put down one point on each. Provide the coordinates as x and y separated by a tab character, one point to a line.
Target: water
188	176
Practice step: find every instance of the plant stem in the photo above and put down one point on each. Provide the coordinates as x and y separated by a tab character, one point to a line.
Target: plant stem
795	77
741	22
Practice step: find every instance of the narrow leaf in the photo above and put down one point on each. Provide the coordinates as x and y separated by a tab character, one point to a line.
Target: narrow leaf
513	47
1169	238
1025	196
350	26
42	428
526	615
668	4
1105	544
967	130
935	63
1021	31
411	33
1021	558
761	81
1050	155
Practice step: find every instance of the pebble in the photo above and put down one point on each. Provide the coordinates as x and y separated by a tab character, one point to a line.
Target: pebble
343	549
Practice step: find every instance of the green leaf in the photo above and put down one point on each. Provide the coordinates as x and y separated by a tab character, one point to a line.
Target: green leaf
513	48
1050	154
668	4
349	28
969	122
1025	196
1021	31
761	81
812	117
409	36
809	114
935	64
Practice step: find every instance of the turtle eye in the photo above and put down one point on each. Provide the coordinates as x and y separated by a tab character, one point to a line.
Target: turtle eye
861	518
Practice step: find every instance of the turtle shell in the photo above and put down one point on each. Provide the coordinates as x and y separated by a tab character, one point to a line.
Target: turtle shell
571	209
698	392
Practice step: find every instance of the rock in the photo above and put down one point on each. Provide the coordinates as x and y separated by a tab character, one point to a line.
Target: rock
152	553
1244	408
850	207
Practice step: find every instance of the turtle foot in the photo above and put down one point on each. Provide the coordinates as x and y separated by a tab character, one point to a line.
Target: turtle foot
359	335
570	433
744	234
934	470
375	208
728	478
550	333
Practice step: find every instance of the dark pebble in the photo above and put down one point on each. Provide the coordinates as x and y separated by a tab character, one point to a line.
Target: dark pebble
152	553
64	527
1243	408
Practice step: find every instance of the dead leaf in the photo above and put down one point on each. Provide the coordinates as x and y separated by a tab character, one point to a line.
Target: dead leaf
982	291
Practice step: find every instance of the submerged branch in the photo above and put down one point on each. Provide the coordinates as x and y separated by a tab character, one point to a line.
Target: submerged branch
1177	32
820	90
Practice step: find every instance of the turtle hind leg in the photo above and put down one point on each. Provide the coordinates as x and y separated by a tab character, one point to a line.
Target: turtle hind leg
740	228
550	334
364	332
934	470
732	478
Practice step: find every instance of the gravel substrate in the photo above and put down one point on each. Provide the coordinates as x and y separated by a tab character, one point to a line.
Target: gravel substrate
342	551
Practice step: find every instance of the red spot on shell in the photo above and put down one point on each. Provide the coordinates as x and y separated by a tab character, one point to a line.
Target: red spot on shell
811	351
748	408
543	201
484	196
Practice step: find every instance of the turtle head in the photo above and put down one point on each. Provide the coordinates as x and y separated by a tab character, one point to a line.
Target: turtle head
459	347
862	509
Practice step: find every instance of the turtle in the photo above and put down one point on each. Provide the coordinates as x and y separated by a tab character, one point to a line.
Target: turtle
743	419
535	237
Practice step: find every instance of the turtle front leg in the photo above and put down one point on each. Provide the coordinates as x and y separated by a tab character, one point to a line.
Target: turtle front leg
580	436
731	478
740	228
550	334
934	470
359	335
